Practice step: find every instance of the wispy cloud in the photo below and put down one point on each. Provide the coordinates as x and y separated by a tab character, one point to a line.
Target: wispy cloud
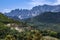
57	2
36	2
6	10
42	2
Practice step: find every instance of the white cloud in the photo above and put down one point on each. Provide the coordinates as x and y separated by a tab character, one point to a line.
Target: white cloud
37	2
42	2
6	10
57	2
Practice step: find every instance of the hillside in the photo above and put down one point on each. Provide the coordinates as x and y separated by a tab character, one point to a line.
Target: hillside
46	20
5	20
48	17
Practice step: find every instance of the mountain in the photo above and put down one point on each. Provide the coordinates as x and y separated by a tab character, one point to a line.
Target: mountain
19	14
25	13
48	17
46	21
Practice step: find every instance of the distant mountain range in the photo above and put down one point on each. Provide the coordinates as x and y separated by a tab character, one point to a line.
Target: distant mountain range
25	13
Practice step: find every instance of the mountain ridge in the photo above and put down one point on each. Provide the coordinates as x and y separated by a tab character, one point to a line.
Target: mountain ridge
25	13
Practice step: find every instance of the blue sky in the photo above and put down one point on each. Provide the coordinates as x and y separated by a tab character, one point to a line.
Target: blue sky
8	5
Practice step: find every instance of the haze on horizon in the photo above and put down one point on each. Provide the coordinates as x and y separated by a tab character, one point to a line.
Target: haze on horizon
8	5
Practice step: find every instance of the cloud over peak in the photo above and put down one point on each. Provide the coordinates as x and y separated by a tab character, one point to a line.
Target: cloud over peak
42	2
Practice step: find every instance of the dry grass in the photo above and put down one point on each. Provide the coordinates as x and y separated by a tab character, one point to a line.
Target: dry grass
50	38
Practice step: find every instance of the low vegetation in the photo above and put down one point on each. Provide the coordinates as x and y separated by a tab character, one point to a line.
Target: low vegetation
6	33
30	31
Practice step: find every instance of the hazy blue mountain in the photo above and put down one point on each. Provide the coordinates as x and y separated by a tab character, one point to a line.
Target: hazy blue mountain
25	13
